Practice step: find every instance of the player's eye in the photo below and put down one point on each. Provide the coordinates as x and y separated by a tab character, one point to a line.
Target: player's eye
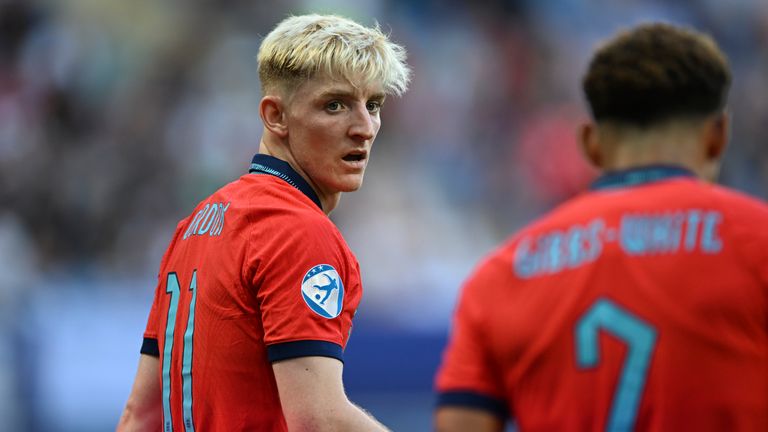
373	106
334	106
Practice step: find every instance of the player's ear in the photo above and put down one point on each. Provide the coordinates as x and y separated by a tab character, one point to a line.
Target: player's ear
716	136
589	142
272	112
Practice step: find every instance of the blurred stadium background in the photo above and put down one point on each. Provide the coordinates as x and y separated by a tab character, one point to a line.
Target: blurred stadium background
116	117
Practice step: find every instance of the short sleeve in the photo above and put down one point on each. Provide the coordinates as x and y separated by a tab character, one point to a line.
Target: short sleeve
467	375
308	287
149	344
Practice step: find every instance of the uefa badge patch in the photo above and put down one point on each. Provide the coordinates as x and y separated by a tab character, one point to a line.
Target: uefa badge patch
323	291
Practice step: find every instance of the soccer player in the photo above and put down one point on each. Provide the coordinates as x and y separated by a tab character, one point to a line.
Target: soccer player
257	290
643	303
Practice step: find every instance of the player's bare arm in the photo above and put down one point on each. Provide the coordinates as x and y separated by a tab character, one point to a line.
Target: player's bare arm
143	411
457	419
313	398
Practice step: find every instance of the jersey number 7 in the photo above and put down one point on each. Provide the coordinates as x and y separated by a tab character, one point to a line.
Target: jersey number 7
173	288
640	338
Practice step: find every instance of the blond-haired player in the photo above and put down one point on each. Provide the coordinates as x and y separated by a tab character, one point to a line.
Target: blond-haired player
257	290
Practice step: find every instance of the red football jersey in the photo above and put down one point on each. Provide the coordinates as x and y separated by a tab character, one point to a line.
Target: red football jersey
641	305
256	274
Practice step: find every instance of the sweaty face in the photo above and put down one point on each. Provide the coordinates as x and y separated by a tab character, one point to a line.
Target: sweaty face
331	127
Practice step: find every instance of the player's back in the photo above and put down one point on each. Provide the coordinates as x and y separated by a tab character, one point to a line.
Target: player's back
635	306
208	314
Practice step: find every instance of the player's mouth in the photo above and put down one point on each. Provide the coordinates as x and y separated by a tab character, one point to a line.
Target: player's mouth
356	158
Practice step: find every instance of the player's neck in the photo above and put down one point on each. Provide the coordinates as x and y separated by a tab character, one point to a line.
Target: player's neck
674	144
626	157
327	201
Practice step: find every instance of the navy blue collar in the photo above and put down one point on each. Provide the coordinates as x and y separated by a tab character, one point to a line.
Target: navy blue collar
639	175
266	164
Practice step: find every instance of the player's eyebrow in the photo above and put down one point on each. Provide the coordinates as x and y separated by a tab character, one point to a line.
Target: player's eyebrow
342	93
380	96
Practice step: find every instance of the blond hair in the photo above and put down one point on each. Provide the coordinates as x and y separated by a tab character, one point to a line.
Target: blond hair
301	47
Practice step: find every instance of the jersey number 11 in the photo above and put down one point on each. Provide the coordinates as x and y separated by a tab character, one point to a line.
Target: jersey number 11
173	288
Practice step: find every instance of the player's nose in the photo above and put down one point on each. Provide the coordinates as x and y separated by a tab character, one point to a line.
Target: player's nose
364	124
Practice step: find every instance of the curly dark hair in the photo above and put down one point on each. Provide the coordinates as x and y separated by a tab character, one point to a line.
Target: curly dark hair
656	72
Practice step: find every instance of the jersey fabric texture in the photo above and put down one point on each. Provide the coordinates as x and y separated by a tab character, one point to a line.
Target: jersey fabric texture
256	274
640	305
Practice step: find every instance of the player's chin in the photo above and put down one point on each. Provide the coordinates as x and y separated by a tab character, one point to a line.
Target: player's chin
350	182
